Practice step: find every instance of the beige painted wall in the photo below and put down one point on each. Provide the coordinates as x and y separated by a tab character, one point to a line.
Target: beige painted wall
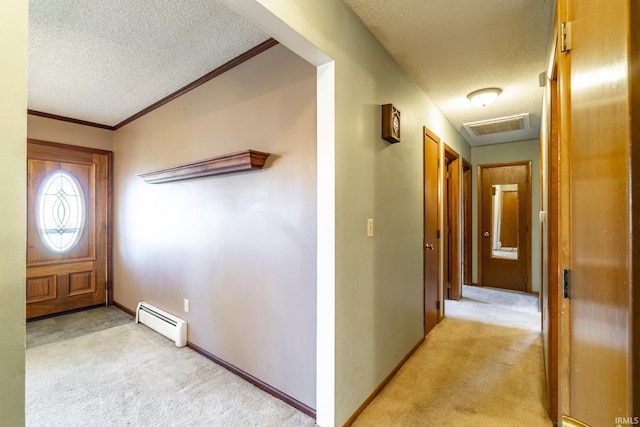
240	247
378	280
502	153
47	129
13	173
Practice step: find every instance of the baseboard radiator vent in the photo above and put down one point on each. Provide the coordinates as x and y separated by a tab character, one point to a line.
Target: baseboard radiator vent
167	324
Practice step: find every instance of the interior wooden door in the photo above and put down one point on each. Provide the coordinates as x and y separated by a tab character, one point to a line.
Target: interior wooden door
505	200
67	234
431	234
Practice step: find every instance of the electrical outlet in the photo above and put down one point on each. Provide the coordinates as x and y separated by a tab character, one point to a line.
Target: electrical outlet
370	227
186	305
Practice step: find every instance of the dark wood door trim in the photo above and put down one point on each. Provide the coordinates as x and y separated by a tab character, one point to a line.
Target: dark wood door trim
453	221
467	249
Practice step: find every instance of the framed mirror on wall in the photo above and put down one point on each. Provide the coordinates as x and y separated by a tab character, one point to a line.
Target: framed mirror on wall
505	220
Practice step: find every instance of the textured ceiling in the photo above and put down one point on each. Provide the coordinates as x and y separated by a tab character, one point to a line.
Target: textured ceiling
104	61
454	47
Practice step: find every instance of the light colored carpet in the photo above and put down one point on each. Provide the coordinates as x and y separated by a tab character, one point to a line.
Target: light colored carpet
60	328
129	375
481	366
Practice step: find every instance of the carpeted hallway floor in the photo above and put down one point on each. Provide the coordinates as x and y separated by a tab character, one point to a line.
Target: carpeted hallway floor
481	366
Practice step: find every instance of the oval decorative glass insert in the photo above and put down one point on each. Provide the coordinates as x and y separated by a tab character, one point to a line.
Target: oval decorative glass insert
60	211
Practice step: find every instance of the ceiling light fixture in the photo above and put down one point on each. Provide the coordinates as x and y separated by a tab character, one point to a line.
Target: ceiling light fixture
484	97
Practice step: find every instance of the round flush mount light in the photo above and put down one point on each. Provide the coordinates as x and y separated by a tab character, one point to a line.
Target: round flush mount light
484	97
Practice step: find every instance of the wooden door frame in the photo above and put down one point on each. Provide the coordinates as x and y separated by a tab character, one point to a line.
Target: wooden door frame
528	242
109	203
552	291
467	233
452	217
563	112
557	310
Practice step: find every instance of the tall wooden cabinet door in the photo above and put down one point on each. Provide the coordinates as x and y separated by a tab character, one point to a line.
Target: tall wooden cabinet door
67	241
602	227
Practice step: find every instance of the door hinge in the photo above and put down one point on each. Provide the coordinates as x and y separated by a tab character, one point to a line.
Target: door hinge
565	37
566	284
438	234
438	305
526	279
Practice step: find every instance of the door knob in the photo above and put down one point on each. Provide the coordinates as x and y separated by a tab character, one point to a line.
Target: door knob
485	234
428	246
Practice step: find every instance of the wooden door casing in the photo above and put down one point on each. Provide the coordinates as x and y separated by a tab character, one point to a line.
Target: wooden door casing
452	225
467	250
498	272
76	278
431	245
551	293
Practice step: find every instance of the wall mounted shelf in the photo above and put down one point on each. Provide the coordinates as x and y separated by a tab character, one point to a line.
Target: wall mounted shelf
226	163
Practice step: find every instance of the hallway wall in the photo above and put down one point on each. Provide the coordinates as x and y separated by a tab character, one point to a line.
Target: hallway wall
241	247
502	153
13	192
378	288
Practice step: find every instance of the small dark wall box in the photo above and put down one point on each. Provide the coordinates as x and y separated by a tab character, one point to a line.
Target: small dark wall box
390	123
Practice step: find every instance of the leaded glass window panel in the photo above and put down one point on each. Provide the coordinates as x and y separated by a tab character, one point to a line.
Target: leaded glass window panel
60	211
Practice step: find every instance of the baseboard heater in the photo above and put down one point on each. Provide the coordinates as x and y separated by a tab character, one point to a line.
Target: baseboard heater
167	324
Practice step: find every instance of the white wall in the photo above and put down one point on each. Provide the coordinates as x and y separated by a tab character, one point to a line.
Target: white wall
503	153
13	188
